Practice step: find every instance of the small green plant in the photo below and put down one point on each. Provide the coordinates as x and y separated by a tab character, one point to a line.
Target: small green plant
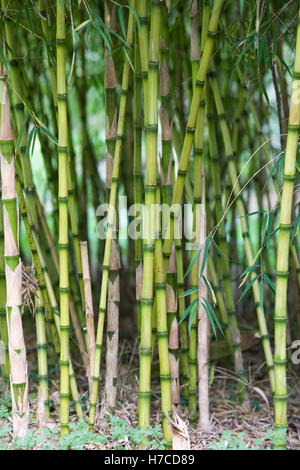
237	442
131	437
79	437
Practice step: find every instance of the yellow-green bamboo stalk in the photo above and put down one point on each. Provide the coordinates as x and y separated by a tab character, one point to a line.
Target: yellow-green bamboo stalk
142	11
41	344
13	272
149	222
63	237
137	171
110	225
282	265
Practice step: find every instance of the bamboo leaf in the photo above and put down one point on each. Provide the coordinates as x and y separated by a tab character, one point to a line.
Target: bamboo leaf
210	289
269	282
249	286
218	248
122	21
214	316
264	227
250	269
189	292
83	25
193	261
187	311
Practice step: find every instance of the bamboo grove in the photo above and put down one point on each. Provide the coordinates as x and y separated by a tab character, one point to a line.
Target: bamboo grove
190	112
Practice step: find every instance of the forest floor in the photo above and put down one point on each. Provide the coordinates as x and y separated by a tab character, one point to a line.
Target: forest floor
232	425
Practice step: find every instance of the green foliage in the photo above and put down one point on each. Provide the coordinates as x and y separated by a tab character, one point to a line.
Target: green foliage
126	434
229	441
120	435
79	437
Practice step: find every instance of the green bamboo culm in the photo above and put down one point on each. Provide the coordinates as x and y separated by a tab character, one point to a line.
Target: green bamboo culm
41	345
137	170
142	10
282	265
151	120
13	271
142	64
110	224
63	237
192	120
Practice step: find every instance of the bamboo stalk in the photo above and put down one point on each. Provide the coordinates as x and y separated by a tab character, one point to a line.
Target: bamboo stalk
13	272
282	264
41	341
63	241
137	172
149	227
